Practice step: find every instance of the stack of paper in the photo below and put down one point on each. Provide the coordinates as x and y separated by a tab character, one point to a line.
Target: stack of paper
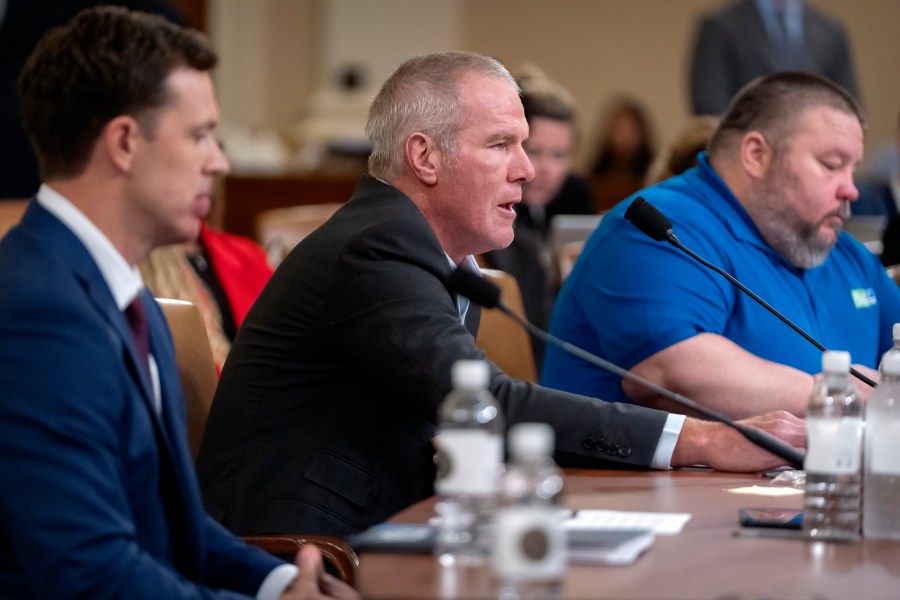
617	537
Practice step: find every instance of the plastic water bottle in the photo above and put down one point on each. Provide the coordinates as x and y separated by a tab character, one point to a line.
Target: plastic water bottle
470	461
833	465
895	350
881	501
530	549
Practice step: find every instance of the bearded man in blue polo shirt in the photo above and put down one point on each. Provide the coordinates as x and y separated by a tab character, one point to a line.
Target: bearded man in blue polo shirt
767	203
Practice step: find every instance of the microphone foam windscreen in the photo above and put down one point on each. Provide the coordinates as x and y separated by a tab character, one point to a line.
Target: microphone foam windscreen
477	289
648	219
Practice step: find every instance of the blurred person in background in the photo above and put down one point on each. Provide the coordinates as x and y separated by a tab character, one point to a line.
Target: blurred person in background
690	140
881	197
749	38
625	151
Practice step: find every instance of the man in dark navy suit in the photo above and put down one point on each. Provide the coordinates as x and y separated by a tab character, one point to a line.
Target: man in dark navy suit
98	497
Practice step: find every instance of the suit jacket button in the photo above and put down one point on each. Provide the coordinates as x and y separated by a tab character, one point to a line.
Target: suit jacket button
624	452
589	443
612	449
601	446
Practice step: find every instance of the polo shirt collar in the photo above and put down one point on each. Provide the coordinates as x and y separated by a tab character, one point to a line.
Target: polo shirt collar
734	215
123	280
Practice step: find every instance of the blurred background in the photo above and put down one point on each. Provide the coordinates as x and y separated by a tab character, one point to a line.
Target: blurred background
296	77
308	67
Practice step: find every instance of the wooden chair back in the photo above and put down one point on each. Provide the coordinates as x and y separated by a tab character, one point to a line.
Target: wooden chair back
502	339
196	367
565	259
198	382
11	212
278	230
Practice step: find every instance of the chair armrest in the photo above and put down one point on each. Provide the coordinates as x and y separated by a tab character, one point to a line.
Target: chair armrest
335	552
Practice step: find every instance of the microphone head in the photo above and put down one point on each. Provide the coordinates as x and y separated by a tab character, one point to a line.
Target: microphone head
648	219
477	289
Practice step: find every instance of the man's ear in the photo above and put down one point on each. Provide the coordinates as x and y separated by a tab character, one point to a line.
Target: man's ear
423	157
756	154
119	139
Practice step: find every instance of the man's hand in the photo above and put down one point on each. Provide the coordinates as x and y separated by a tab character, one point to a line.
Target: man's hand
313	583
724	449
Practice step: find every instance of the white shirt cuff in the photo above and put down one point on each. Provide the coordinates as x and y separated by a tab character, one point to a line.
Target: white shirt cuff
662	458
276	582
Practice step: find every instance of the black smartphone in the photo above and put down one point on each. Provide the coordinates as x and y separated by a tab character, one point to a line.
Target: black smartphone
782	518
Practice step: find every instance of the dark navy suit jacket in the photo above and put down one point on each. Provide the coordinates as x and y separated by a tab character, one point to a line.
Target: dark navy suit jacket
98	497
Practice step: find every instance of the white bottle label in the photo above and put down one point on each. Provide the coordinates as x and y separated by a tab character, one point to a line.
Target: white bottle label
530	543
468	462
885	446
834	446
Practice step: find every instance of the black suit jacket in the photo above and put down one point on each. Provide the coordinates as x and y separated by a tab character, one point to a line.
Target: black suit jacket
325	412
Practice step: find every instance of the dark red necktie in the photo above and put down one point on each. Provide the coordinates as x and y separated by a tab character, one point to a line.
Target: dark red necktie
169	489
137	321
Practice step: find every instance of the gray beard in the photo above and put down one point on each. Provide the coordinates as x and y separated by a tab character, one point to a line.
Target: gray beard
799	243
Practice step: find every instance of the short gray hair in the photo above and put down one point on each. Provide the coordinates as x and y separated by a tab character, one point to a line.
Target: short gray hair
422	95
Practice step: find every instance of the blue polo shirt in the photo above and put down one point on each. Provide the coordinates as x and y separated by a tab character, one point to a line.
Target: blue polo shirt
629	297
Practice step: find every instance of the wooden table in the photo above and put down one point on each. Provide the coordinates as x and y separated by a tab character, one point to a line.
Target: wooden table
705	561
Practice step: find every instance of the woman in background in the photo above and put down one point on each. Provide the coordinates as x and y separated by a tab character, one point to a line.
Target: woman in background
625	151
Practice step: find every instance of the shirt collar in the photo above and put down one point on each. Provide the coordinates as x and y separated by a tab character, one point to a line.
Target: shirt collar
739	222
123	280
462	303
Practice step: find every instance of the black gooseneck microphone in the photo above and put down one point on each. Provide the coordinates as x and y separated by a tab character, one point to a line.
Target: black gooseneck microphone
483	292
648	219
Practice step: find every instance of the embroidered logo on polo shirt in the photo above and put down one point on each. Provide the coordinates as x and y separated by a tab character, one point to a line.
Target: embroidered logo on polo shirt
863	298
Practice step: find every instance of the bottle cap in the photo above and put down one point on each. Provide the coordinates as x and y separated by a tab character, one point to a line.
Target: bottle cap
891	364
531	440
470	374
896	332
836	361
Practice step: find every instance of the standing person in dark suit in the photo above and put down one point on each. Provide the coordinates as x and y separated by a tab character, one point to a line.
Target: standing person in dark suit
750	38
98	497
324	417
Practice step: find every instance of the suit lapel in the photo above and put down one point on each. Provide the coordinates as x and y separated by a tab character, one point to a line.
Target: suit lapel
69	249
